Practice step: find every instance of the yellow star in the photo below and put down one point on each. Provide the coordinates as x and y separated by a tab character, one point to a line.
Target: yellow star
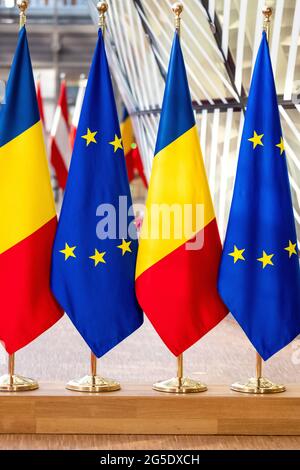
98	257
256	139
117	143
125	246
68	251
281	146
237	254
266	259
90	137
291	248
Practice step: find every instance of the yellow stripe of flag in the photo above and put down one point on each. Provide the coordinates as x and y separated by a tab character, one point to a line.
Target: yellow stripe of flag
26	202
178	177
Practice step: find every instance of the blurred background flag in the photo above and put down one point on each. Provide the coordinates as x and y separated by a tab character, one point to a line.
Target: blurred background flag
133	157
77	110
28	217
60	146
259	276
176	285
93	278
40	103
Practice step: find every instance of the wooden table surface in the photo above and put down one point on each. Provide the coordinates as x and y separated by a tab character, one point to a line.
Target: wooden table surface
140	410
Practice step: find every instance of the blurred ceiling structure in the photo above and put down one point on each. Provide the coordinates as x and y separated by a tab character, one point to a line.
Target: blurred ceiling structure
220	39
61	35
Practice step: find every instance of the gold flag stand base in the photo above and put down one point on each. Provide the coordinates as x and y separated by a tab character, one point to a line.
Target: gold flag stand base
258	386
177	385
16	383
93	384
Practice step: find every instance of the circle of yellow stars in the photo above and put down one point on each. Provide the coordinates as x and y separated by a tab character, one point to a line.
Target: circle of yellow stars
90	138
98	257
266	259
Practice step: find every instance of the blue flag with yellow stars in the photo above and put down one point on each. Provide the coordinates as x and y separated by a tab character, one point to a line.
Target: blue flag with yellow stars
259	277
94	254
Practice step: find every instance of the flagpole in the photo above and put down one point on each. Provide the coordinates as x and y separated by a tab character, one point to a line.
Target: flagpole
102	8
180	369
267	13
179	384
259	384
22	5
11	368
94	383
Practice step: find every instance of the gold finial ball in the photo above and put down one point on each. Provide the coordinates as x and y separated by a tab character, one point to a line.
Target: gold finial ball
267	12
102	7
23	5
177	9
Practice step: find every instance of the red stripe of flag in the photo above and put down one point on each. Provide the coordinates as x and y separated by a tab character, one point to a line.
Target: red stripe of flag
25	298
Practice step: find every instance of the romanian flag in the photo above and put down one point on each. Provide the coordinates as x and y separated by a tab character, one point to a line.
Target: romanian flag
133	157
28	217
176	275
259	274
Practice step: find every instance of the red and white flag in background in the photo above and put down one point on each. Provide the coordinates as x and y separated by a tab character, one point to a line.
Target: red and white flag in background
40	102
42	115
60	147
77	110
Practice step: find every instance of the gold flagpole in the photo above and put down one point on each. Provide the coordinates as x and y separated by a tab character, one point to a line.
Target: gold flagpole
93	383
177	10
179	384
102	8
22	5
260	384
11	382
267	12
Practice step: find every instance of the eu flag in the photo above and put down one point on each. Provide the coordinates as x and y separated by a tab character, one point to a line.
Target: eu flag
259	277
93	271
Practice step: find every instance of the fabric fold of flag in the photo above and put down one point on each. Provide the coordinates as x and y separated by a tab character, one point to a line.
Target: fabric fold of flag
176	283
93	273
28	216
259	276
